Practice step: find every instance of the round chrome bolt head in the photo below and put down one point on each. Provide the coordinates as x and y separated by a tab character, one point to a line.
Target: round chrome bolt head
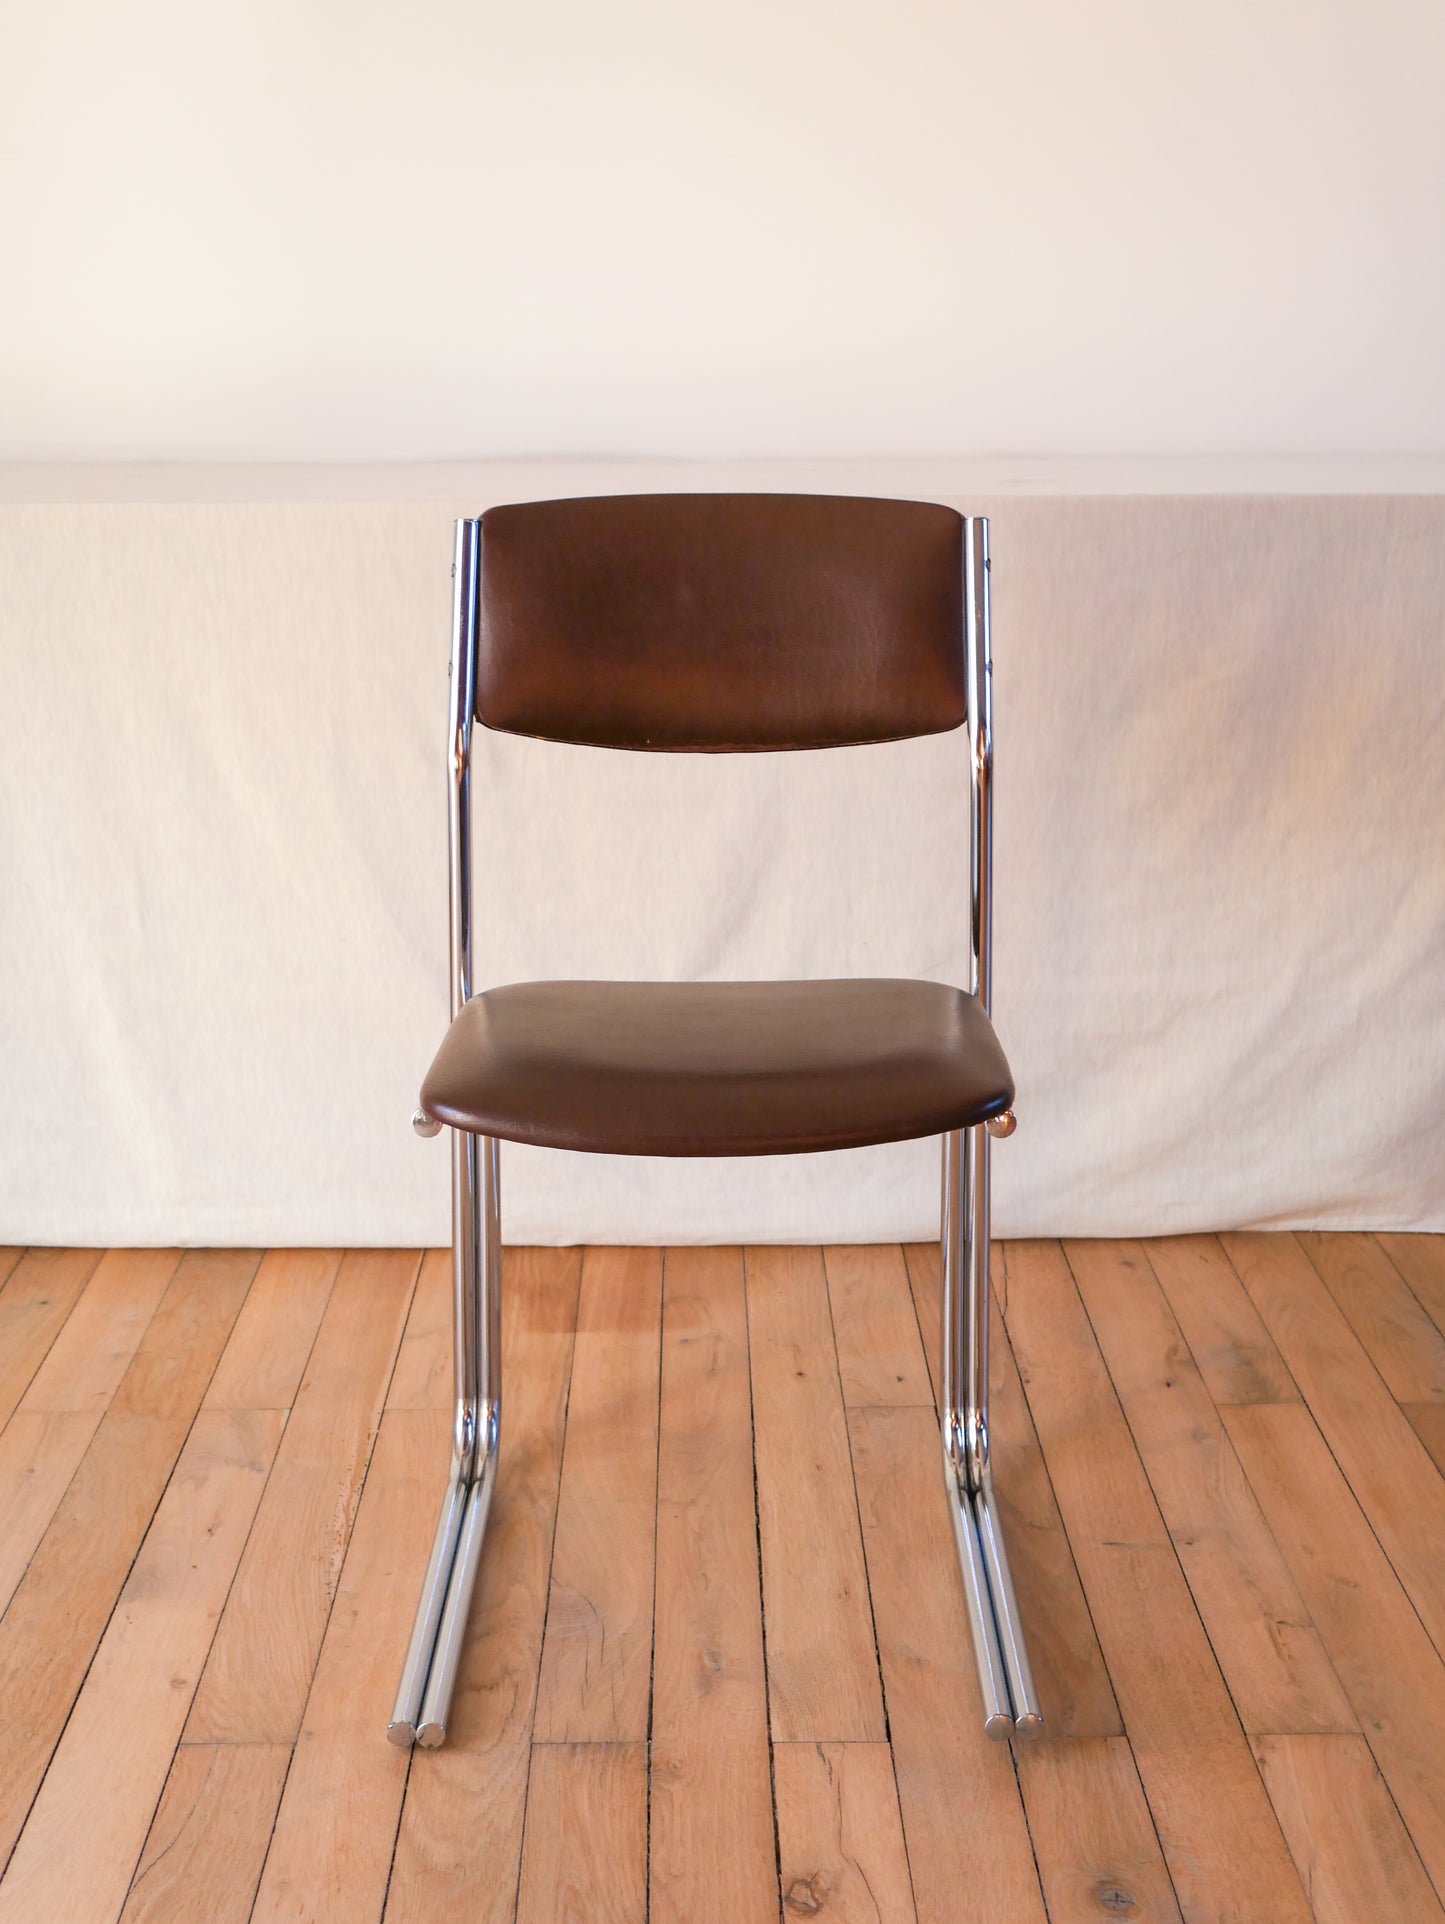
1003	1125
424	1124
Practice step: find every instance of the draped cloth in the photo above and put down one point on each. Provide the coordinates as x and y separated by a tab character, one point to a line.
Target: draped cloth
1219	958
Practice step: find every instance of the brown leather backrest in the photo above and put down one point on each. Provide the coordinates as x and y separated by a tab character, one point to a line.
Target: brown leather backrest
721	621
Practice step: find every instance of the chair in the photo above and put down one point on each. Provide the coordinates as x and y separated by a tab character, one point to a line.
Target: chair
719	623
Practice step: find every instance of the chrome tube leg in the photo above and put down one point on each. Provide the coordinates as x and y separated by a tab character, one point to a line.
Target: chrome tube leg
1010	1700
429	1672
484	1335
441	1680
992	1681
406	1712
1028	1712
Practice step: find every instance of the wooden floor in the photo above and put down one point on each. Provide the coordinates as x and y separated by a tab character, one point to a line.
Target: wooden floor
719	1661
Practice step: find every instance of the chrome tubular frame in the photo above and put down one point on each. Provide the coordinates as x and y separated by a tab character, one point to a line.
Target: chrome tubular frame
429	1674
1010	1701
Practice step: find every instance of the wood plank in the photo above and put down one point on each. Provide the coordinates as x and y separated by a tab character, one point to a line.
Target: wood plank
92	1352
924	1263
60	1609
840	1836
1233	1350
1352	1851
458	1852
585	1857
711	1846
424	1378
968	1844
261	1664
1069	1668
10	1255
1267	1647
880	1356
1420	1259
1226	1856
37	1296
39	1454
1388	1666
332	1846
88	1824
266	1356
42	1445
1384	1462
1394	1331
822	1664
1332	1310
207	1842
596	1679
1427	1420
1094	1838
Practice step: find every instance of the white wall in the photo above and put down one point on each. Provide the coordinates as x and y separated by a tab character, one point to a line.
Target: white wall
767	227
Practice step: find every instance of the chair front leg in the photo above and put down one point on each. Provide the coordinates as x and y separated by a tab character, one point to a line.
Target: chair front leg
1006	1684
429	1673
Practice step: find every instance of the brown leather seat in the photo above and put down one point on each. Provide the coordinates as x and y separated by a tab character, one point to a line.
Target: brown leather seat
718	1068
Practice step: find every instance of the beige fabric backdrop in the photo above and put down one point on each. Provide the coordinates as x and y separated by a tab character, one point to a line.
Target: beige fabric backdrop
1220	938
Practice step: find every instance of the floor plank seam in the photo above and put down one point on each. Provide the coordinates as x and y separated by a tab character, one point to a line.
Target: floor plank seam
395	1838
60	1501
1324	1438
385	1392
857	1506
120	1591
1013	1758
1217	1243
341	1567
1433	1316
1184	1574
762	1605
1093	1627
652	1641
160	1793
547	1580
220	1615
1001	1299
1153	1820
868	1576
99	1255
1267	1403
1438	1886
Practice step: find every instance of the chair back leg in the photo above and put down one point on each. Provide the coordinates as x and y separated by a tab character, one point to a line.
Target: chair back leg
429	1674
1006	1685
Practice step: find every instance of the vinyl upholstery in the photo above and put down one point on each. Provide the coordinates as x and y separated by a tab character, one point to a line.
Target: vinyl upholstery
718	1068
721	621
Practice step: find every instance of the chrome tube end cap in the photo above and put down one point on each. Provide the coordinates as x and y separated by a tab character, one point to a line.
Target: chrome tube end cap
1003	1125
999	1727
1030	1725
424	1124
431	1736
402	1733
